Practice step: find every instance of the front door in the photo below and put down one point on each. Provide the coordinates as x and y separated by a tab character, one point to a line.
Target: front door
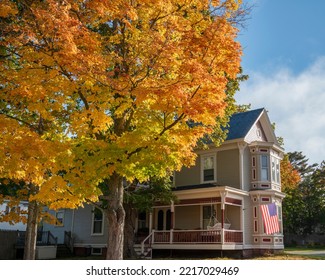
160	220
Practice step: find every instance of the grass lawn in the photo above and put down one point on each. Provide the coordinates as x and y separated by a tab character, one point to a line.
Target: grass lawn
289	253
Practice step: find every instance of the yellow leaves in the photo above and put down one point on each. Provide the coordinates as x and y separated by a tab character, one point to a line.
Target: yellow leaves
290	178
7	8
121	79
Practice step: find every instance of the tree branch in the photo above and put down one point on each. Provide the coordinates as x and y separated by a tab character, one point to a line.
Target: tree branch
18	119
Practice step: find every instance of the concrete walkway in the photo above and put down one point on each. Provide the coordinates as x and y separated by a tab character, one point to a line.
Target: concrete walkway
306	252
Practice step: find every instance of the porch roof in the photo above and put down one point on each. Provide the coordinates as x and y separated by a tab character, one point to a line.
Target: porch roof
208	190
200	186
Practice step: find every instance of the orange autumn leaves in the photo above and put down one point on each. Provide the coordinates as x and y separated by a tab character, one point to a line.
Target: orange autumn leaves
89	88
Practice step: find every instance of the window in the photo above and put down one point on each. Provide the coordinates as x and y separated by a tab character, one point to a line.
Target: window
209	218
96	251
264	168
97	228
208	163
275	170
277	167
59	215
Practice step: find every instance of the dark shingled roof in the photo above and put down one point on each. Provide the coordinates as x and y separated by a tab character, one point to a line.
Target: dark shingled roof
241	123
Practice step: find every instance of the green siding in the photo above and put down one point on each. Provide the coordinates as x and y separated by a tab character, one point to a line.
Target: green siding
228	168
189	176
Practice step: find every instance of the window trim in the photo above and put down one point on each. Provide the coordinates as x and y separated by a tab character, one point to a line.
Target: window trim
203	157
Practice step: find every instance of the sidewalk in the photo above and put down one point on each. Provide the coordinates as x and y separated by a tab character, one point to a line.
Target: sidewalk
310	252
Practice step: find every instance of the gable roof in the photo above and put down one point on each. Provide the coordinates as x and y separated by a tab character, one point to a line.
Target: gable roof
241	123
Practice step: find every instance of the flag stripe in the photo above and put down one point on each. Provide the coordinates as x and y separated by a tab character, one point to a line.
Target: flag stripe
270	218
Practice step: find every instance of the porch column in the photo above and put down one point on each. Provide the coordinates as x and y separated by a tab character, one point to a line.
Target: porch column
172	210
242	222
150	222
241	147
223	198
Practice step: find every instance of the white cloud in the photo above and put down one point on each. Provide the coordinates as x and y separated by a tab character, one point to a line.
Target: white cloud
296	103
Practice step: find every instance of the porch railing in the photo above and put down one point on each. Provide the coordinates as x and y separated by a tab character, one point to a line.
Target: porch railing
197	236
43	238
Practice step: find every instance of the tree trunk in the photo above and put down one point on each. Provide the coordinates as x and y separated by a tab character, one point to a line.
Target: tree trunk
115	216
129	228
31	231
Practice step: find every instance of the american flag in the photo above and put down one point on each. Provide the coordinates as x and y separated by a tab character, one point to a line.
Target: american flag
270	218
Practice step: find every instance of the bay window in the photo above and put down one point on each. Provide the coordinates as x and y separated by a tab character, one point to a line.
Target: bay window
264	167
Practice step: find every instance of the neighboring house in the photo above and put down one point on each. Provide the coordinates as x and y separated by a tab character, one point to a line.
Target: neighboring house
219	199
81	229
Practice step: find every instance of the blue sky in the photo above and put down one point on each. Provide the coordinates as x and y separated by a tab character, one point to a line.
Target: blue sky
284	56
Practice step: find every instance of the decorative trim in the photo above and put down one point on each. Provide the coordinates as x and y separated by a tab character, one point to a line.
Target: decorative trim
233	201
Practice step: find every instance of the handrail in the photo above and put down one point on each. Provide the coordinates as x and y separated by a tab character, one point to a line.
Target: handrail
68	240
145	240
53	238
43	238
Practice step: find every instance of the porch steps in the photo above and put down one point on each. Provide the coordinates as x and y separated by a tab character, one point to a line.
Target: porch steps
147	252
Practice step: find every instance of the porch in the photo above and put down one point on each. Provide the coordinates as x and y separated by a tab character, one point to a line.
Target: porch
222	239
204	219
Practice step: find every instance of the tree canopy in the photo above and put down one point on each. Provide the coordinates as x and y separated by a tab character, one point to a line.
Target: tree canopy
97	92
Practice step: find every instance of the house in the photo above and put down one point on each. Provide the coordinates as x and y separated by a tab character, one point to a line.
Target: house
82	230
219	199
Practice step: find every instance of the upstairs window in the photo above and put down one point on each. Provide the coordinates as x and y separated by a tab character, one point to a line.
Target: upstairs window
275	170
264	167
208	170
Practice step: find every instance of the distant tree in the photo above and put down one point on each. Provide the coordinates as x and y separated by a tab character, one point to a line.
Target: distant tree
290	180
290	177
300	163
303	206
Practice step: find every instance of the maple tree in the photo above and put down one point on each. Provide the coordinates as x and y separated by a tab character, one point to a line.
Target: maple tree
104	92
290	177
